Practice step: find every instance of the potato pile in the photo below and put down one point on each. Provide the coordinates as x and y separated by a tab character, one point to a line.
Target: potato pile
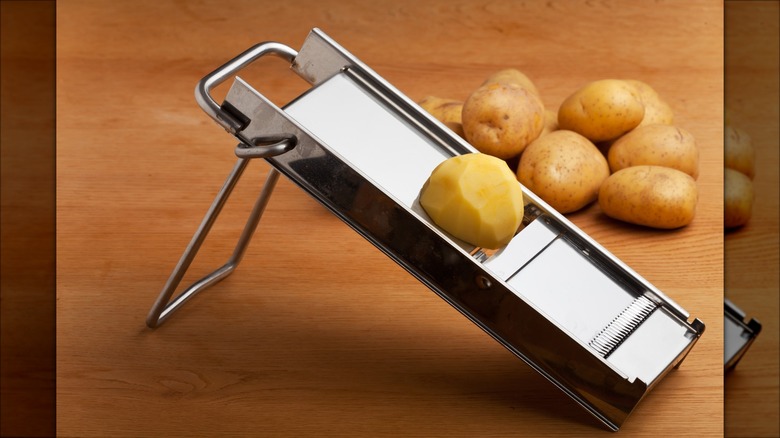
739	162
611	141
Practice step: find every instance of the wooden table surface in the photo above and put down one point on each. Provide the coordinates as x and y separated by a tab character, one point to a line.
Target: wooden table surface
752	256
27	223
318	333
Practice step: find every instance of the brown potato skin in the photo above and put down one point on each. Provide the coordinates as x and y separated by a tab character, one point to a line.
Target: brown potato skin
738	196
738	151
652	196
550	122
657	145
501	119
447	111
563	168
512	76
657	111
602	110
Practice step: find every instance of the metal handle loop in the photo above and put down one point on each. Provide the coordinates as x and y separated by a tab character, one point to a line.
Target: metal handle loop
205	85
265	147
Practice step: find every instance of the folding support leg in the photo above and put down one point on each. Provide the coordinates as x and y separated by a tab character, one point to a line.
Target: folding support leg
163	307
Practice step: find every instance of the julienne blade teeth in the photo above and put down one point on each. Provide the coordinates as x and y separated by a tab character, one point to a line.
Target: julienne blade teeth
626	322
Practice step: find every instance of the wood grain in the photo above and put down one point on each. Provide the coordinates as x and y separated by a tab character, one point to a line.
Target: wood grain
752	257
318	333
27	283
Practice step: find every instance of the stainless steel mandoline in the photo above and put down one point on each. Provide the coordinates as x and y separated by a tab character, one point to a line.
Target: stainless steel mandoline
554	297
739	333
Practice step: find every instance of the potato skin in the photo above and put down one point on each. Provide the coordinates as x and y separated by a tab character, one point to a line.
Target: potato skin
657	111
563	168
653	196
658	145
738	196
550	122
602	110
512	76
501	119
738	151
447	111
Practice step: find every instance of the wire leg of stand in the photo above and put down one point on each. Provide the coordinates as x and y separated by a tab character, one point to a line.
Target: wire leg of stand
164	307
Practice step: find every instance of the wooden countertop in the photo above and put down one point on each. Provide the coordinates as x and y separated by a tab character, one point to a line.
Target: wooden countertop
318	333
752	253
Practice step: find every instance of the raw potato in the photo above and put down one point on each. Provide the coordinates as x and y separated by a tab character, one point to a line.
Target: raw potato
657	111
550	122
512	76
602	110
739	153
476	198
501	119
652	196
658	145
447	111
563	168
738	198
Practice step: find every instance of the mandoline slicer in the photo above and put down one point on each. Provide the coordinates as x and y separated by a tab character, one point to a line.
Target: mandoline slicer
553	296
738	334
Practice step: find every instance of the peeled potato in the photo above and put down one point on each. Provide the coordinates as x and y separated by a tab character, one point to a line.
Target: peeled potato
658	145
738	198
501	119
653	196
476	198
447	111
738	151
602	110
512	76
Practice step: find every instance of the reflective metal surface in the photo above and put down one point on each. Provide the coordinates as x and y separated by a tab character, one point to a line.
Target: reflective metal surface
570	292
553	296
163	307
203	89
739	333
